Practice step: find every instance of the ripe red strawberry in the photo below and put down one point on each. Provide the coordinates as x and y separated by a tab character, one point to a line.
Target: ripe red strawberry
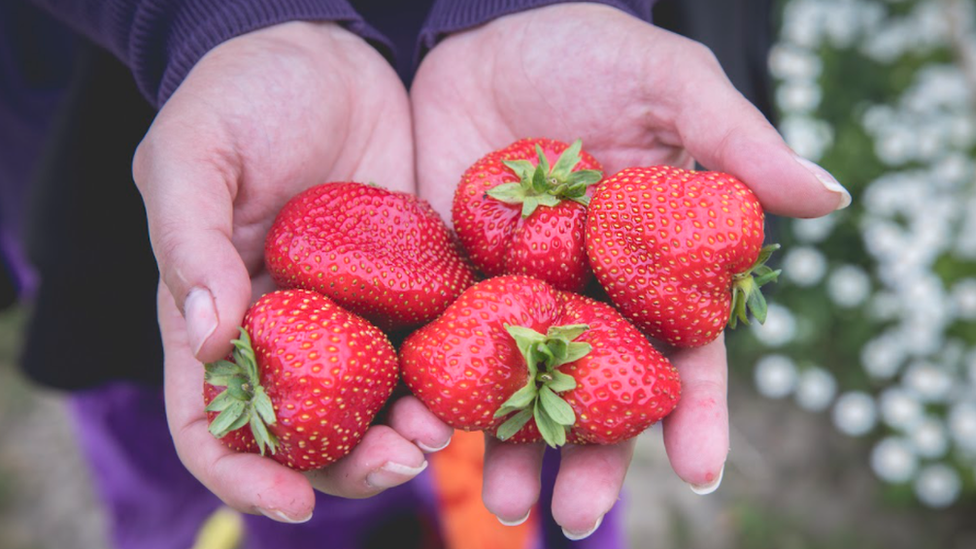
516	357
522	210
384	255
679	252
307	377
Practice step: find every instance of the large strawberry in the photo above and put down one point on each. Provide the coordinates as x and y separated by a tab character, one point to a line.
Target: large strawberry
384	255
516	357
522	210
679	252
306	379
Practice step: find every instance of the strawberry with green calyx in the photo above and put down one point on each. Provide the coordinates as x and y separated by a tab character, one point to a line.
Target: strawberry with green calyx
541	185
539	399
384	255
522	210
746	295
304	382
244	402
679	252
519	359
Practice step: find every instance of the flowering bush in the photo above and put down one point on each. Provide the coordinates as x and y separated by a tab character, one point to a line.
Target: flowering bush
874	318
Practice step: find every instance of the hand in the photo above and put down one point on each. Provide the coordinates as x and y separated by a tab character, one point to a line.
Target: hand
258	119
636	95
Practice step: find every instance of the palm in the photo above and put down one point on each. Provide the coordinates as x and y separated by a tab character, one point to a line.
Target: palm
257	120
536	77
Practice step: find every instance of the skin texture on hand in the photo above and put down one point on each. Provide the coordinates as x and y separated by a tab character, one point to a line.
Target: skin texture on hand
258	119
636	95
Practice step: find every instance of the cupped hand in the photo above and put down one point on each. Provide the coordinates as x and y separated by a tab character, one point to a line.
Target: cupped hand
636	95
258	119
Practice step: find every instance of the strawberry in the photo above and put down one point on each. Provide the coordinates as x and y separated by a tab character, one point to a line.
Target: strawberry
384	255
307	377
679	252
520	359
522	210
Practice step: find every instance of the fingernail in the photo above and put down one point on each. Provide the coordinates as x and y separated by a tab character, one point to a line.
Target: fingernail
430	449
393	474
827	181
277	515
705	489
574	536
201	317
515	522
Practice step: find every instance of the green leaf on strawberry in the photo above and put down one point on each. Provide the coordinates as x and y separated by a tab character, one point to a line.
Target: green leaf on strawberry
244	401
542	185
538	399
746	295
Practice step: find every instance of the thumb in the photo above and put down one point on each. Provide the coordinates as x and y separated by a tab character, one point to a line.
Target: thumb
724	132
189	206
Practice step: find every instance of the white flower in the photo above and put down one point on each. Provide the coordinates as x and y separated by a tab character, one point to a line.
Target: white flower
779	328
814	230
900	409
798	96
928	381
775	376
885	306
804	266
963	299
937	485
816	389
855	413
790	62
929	438
893	460
962	424
883	356
849	286
809	137
952	170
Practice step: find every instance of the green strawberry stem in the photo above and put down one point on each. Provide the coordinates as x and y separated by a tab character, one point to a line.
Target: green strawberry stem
539	398
746	295
244	401
541	185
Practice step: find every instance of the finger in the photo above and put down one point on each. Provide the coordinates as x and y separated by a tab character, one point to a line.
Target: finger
382	459
725	132
696	433
187	191
512	479
246	482
588	485
414	422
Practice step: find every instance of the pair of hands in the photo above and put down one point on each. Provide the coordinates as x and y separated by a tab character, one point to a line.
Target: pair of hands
270	113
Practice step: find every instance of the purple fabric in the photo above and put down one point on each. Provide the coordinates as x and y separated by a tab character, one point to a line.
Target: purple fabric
154	503
448	16
160	40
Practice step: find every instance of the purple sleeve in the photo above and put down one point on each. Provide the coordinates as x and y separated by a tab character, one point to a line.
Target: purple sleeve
160	40
448	16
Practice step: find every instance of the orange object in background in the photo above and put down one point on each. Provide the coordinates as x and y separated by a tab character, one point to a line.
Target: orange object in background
457	474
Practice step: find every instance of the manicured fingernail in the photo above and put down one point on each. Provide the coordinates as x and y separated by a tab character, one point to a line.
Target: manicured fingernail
827	181
277	515
515	522
393	474
201	317
574	536
705	489
430	449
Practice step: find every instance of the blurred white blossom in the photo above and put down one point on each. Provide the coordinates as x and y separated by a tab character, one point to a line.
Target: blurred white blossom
815	389
775	376
900	409
855	413
804	265
849	286
779	328
937	485
893	460
929	438
814	230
